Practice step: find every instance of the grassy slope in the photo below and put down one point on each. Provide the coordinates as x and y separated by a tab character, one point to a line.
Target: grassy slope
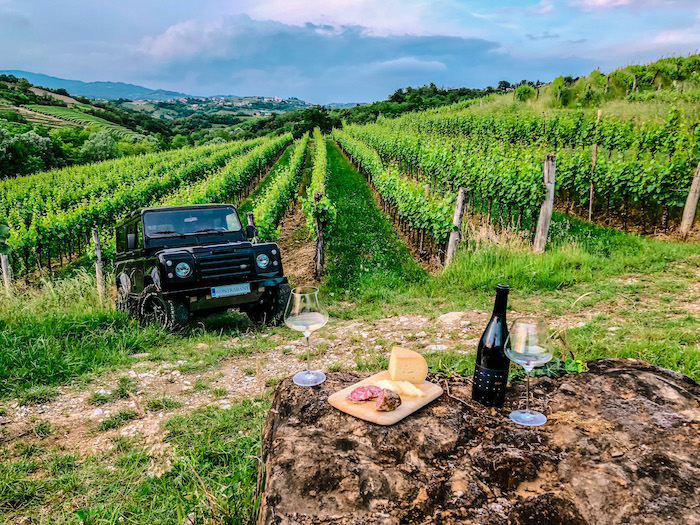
651	110
366	258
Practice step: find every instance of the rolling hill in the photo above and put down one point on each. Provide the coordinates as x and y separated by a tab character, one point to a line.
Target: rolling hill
102	90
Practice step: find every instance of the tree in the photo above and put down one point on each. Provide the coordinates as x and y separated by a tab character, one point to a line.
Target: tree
70	142
503	85
100	146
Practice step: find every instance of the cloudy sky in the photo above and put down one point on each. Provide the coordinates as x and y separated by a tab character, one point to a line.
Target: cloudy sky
337	50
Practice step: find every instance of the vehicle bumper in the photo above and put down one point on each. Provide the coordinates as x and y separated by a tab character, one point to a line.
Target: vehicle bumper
200	298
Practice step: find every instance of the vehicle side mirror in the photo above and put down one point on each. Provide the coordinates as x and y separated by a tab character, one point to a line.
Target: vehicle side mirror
250	231
131	241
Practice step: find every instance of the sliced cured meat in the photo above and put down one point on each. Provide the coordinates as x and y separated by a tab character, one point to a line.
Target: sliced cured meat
387	401
363	393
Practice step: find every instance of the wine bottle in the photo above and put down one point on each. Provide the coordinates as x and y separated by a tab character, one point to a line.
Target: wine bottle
491	371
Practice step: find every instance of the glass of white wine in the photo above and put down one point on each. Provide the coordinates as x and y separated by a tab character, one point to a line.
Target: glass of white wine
529	345
305	313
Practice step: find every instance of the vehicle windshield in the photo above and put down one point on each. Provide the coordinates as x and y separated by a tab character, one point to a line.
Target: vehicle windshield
193	221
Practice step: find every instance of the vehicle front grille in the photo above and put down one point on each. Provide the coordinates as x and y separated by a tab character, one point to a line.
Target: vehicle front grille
228	265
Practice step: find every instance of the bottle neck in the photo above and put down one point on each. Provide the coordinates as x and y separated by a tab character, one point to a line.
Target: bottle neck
499	308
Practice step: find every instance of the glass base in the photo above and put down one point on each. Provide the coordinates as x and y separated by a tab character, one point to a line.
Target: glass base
529	418
309	378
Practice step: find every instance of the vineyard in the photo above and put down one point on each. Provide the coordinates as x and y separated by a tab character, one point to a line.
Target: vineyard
50	226
606	170
84	119
95	402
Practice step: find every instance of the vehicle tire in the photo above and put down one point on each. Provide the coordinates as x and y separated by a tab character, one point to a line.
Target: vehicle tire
125	303
269	310
152	308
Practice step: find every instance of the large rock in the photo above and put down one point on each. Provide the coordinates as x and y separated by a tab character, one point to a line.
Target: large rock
622	446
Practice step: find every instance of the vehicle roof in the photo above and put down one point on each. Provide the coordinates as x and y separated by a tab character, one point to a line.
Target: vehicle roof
141	211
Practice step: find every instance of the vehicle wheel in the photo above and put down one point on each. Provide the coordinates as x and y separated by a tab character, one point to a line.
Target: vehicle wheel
269	310
124	303
152	308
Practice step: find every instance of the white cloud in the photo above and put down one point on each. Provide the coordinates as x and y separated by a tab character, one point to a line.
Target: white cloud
379	18
544	7
408	64
186	39
676	40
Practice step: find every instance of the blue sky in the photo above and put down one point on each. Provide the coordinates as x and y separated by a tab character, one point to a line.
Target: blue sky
337	50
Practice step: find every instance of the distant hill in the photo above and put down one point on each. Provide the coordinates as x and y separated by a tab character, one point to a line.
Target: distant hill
342	105
102	90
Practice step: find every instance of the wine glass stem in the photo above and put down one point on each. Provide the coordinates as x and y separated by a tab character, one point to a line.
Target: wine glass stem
308	353
527	394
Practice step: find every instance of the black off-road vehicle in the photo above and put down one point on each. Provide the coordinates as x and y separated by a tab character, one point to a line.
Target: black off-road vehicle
180	260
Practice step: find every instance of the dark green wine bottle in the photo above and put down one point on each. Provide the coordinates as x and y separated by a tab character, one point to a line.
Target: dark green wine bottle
491	371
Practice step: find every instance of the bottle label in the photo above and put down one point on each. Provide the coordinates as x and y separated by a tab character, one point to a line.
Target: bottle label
490	380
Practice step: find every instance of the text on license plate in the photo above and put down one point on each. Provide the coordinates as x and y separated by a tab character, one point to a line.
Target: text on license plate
231	289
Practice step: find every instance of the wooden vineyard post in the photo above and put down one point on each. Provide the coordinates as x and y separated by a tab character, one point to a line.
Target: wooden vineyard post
691	204
595	153
591	193
547	206
456	226
98	264
320	256
6	276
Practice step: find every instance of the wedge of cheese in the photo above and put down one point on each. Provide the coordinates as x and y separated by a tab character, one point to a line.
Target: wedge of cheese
407	365
405	388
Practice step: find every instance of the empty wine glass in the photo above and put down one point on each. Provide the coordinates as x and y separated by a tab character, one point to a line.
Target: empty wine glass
529	345
305	314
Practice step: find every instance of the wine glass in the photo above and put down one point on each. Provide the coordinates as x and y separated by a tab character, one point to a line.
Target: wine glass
305	314
529	345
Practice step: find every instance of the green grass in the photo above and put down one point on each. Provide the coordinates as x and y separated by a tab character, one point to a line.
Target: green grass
62	332
365	257
162	403
42	429
212	449
37	394
125	384
117	420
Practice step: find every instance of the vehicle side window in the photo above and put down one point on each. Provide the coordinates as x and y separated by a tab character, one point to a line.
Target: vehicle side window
139	235
121	239
130	230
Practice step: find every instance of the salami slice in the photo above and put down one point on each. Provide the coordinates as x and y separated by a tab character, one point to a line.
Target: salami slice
363	393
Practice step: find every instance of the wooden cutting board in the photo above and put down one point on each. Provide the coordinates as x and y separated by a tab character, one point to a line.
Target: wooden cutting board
366	411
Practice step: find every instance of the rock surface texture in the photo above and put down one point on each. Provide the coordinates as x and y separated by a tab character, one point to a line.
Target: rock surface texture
622	445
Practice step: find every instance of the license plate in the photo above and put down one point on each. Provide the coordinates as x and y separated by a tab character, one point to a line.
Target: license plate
231	289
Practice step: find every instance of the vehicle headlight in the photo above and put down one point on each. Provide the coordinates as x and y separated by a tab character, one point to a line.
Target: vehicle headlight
183	270
262	260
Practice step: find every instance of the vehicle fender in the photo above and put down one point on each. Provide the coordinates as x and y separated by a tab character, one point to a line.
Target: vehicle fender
153	278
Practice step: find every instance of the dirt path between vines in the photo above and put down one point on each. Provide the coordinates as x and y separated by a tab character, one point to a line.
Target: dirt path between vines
297	249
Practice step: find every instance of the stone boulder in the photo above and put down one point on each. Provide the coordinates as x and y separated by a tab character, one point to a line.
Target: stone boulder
622	445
